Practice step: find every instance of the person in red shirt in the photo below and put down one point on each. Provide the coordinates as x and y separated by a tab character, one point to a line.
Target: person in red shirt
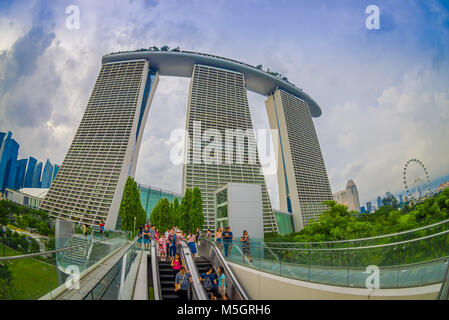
101	228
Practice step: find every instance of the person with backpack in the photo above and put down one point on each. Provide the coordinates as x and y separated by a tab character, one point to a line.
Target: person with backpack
183	280
210	283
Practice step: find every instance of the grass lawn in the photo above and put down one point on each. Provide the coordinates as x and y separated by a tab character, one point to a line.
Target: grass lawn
31	278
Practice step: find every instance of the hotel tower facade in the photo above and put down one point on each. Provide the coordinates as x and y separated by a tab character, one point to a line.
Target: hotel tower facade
104	151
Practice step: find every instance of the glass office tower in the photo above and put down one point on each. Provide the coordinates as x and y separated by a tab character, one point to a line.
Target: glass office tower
47	174
8	156
31	166
20	173
149	197
37	182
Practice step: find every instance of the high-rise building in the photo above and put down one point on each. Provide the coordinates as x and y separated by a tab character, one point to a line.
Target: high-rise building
349	196
368	206
20	173
104	151
8	157
218	103
89	185
388	194
2	137
379	202
401	200
302	177
149	197
31	166
37	182
55	172
362	209
47	175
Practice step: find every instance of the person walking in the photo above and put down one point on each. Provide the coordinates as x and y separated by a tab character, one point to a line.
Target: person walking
198	233
218	238
244	240
152	233
183	280
208	234
191	242
167	240
210	283
101	226
85	229
227	240
162	247
140	240
178	240
221	283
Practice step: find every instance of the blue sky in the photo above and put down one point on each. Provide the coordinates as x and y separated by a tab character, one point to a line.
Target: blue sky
384	93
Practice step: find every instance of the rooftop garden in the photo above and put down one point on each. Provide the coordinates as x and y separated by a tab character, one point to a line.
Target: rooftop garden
177	49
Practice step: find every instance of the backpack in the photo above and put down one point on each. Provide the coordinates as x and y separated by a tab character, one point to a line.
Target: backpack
207	283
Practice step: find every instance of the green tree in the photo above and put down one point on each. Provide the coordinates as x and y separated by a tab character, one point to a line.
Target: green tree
184	211
196	215
4	216
176	212
131	208
34	246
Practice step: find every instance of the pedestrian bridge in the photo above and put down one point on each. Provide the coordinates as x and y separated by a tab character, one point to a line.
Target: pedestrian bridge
406	265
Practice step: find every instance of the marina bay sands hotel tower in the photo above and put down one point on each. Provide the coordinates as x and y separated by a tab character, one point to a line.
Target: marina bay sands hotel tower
104	151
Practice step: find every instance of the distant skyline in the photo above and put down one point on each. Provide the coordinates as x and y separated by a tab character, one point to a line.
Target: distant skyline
383	93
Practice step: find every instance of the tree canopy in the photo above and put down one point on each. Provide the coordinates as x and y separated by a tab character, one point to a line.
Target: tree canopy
187	216
131	207
337	223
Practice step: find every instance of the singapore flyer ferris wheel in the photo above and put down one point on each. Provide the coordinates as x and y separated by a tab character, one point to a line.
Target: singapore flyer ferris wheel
415	178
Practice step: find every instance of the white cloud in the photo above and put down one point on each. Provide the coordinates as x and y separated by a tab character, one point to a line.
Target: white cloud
382	104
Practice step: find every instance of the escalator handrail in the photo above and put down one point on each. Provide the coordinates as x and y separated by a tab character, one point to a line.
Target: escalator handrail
227	269
155	272
199	293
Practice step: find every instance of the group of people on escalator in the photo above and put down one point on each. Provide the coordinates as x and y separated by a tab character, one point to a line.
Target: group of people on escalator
168	242
214	284
169	245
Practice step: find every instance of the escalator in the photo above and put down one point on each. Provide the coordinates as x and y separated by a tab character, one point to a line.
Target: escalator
202	264
162	276
210	255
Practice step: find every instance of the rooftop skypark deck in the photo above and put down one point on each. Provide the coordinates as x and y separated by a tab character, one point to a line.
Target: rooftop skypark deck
180	64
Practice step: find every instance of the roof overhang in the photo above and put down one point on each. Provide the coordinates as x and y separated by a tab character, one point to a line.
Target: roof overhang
180	64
